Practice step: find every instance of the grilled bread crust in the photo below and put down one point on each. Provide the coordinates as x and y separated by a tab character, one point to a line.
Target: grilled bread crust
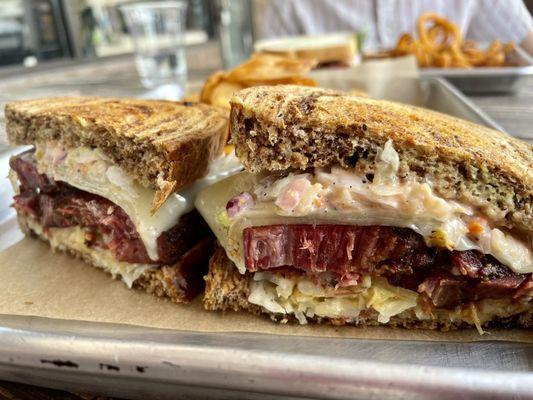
165	145
228	290
291	127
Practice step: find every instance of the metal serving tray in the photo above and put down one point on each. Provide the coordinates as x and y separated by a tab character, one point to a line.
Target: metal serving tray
137	362
487	79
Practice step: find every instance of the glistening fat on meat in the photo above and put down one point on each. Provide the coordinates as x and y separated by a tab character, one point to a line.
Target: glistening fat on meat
448	278
59	205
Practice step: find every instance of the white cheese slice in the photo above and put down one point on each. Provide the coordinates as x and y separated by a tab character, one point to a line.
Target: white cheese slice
90	170
211	203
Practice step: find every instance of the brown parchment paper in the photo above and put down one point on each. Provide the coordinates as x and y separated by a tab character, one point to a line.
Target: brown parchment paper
36	282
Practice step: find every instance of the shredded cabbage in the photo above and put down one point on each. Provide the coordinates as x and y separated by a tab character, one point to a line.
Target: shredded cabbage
304	299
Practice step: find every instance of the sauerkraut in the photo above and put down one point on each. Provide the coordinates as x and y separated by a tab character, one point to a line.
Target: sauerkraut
304	299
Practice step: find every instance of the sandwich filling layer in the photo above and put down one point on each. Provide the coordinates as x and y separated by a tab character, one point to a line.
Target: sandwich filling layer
70	213
332	242
75	239
90	170
340	196
304	299
343	256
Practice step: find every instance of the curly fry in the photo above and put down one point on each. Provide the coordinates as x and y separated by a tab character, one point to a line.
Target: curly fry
406	45
475	57
423	57
443	59
446	25
440	44
509	47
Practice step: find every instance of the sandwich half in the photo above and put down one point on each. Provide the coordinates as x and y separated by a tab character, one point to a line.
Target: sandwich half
366	212
113	181
330	50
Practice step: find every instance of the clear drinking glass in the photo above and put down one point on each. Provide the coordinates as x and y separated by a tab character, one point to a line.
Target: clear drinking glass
235	31
158	31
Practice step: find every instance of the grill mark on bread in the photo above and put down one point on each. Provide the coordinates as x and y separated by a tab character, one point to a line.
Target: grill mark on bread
148	138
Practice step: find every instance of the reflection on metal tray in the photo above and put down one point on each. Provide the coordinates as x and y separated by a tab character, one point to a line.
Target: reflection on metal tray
131	362
137	362
487	79
433	93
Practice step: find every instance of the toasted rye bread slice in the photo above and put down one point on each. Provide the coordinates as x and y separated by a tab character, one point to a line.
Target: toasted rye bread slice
180	282
228	290
165	145
282	127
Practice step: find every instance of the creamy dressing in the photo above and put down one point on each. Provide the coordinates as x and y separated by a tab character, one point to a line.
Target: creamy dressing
92	171
341	196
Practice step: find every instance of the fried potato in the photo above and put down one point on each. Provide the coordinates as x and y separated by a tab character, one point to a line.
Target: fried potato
192	97
269	67
209	85
260	69
222	93
358	93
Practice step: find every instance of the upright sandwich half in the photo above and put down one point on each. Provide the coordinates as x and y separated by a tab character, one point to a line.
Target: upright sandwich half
358	211
113	181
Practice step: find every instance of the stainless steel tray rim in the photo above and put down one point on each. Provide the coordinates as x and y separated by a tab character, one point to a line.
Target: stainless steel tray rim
254	370
479	72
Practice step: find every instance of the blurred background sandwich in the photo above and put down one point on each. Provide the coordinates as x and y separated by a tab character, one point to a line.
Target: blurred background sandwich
331	50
